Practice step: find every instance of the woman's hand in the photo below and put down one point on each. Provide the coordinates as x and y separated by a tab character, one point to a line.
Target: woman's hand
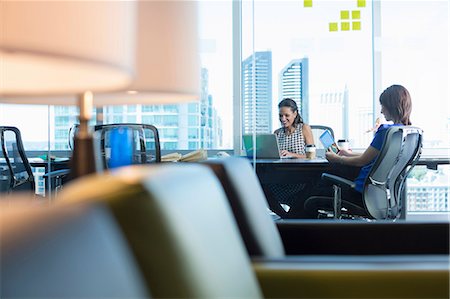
345	152
332	157
285	153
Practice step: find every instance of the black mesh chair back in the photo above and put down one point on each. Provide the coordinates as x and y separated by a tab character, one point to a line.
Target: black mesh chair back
317	130
144	142
15	169
72	132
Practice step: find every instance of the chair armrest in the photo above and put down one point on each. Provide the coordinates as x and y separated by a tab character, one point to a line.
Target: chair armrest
380	277
56	173
339	181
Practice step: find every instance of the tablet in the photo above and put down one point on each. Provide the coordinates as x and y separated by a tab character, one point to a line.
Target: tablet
328	141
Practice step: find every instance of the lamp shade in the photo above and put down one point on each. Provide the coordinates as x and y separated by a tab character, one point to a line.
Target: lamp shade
65	47
167	68
167	59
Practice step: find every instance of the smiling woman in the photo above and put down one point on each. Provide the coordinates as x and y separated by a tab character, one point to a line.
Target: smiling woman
294	134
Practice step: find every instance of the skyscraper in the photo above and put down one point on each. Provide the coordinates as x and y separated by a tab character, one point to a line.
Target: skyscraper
332	111
293	80
257	115
181	126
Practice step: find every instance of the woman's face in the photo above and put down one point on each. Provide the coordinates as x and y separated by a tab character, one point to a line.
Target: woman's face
385	112
287	117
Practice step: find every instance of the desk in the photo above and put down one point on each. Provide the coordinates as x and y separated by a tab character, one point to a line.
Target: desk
303	170
296	171
432	162
290	170
56	164
57	179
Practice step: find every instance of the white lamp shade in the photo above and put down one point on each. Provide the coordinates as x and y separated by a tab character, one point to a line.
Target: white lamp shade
167	58
65	47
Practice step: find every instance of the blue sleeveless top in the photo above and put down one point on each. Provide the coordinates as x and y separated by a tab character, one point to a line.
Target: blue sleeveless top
377	143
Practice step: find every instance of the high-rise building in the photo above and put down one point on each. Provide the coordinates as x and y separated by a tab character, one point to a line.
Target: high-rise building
183	126
293	81
429	197
331	108
257	93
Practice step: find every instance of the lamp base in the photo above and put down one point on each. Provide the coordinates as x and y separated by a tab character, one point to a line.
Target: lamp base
83	158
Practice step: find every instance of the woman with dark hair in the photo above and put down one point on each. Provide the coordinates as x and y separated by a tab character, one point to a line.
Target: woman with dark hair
294	134
396	106
292	139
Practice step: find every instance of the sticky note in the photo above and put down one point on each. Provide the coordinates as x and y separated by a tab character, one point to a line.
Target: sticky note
356	14
333	27
356	25
345	26
361	3
307	3
345	14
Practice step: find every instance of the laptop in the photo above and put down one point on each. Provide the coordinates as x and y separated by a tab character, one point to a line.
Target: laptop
266	146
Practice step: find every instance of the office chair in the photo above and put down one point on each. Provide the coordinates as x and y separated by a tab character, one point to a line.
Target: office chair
317	130
15	169
72	132
178	223
384	189
65	251
181	229
265	238
145	146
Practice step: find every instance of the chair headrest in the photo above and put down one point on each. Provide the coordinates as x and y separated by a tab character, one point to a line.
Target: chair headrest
65	251
249	206
180	226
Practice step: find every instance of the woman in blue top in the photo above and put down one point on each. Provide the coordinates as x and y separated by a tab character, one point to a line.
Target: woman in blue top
396	106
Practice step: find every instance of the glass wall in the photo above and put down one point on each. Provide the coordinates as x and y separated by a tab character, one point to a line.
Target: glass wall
336	57
333	57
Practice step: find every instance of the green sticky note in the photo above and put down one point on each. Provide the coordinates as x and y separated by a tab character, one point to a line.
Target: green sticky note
345	26
345	15
333	27
361	3
356	25
356	14
307	3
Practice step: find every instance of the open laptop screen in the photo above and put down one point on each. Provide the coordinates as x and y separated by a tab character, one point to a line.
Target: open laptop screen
266	146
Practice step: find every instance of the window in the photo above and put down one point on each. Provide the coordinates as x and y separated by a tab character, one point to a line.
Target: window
333	57
321	56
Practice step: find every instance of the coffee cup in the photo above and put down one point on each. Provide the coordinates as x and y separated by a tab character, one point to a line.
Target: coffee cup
343	144
310	151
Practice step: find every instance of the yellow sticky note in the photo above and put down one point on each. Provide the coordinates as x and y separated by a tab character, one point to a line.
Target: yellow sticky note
345	15
356	25
345	26
333	27
307	3
356	14
361	3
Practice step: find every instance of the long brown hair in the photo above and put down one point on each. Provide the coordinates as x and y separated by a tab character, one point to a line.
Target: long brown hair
397	101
